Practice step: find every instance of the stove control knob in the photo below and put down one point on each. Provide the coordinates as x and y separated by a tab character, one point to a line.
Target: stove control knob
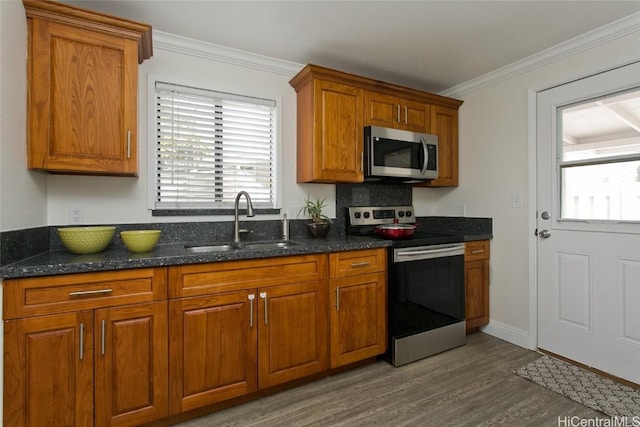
357	215
400	214
366	214
408	214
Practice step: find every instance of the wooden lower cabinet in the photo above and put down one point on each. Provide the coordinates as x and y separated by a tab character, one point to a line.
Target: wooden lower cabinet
358	305
358	318
229	344
476	277
213	342
59	369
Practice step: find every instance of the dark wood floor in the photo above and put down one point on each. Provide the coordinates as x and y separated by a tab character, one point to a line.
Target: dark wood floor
473	385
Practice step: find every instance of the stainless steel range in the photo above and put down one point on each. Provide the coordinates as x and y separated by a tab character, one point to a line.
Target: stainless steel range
426	285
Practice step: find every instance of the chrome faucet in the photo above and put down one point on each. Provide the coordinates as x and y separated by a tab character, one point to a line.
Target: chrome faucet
236	224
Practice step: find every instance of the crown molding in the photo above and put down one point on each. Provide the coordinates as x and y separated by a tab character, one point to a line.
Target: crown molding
179	44
615	30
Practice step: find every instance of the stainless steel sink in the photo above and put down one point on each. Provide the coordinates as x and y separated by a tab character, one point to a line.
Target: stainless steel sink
249	246
282	244
211	248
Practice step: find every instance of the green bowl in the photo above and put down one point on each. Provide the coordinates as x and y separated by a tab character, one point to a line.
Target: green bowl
86	240
140	240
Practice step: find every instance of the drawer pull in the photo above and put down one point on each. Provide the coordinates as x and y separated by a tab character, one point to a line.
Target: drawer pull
89	293
360	264
478	251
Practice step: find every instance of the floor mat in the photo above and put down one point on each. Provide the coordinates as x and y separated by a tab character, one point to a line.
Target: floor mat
582	386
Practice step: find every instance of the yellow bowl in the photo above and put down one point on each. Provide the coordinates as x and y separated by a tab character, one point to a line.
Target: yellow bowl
86	240
140	240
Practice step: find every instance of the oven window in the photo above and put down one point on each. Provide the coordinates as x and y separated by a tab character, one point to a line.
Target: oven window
426	294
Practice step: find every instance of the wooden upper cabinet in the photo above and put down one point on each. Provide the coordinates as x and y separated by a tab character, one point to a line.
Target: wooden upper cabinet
83	87
334	107
395	112
444	123
330	132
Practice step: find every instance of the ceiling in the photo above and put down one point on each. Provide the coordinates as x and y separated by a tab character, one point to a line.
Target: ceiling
428	45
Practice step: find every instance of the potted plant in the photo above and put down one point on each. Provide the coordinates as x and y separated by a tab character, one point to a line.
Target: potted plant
320	223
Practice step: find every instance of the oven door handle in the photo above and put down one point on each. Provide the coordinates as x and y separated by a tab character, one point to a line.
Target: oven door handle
431	253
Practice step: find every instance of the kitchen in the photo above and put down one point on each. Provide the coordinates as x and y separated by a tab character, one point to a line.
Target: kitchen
31	200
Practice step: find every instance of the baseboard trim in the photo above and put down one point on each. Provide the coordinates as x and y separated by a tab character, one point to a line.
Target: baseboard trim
507	333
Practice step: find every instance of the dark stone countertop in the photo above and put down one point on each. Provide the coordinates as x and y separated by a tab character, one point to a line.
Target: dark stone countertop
61	261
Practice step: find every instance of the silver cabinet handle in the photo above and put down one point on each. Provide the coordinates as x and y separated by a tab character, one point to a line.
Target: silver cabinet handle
360	264
405	115
251	298
263	295
478	251
102	337
81	341
89	293
337	298
128	144
398	114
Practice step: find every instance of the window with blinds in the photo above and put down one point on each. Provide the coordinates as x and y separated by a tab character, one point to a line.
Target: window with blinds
211	145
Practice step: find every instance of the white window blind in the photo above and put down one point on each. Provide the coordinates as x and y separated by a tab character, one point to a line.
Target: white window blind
210	145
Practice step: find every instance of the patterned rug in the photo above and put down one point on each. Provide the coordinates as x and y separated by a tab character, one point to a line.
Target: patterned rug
582	386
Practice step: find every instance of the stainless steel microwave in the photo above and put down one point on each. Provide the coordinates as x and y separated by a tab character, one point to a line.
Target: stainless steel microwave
399	155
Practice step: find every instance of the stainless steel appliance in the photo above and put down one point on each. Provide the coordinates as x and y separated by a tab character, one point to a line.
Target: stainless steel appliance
426	305
399	155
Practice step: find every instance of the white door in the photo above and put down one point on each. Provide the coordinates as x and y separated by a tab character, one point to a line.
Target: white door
588	221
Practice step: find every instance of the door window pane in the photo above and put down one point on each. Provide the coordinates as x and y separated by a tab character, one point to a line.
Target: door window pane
599	159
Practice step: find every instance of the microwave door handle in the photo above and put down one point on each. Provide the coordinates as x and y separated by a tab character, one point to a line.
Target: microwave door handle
426	156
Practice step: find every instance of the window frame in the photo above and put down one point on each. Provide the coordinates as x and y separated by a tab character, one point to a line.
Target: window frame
151	148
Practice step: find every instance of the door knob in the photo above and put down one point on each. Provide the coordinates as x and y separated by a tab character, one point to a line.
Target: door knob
544	234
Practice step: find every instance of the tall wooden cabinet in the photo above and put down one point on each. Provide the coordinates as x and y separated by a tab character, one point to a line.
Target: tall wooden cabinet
476	276
99	359
83	87
334	107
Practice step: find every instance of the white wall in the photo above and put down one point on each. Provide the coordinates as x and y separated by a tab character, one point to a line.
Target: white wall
495	161
22	193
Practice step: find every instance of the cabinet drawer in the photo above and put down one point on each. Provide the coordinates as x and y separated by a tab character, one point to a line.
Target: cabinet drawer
476	250
202	279
353	263
36	296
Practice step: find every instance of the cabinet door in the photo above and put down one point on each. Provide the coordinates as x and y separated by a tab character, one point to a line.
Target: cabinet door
358	318
444	123
213	345
293	331
476	276
415	116
337	133
82	100
131	368
381	110
394	112
48	371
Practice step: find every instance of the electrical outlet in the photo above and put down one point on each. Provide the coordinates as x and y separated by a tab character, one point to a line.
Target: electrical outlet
75	215
462	210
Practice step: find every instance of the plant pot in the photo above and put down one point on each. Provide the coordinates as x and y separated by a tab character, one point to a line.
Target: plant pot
318	229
